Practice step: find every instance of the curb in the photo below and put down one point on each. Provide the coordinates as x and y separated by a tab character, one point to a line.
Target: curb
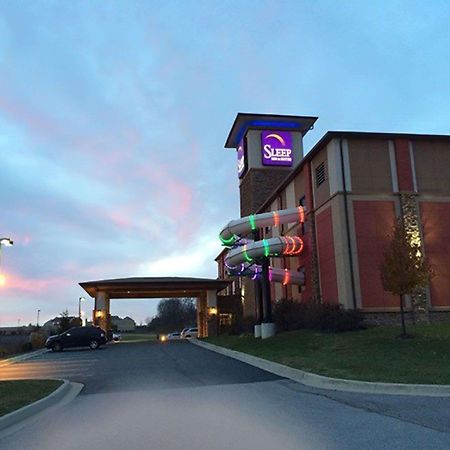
335	384
29	355
65	393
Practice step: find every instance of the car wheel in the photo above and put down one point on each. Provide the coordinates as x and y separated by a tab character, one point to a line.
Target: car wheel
93	345
57	347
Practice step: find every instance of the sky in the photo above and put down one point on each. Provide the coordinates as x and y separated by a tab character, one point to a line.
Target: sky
114	115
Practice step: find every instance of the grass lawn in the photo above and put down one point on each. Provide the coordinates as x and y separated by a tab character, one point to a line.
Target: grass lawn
376	354
15	394
137	337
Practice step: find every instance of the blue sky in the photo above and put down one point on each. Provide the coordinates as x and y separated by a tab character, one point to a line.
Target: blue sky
113	117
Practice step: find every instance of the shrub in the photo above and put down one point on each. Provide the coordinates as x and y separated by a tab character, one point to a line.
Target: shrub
288	315
37	339
291	315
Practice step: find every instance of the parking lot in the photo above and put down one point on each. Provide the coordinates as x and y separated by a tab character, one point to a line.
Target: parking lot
134	366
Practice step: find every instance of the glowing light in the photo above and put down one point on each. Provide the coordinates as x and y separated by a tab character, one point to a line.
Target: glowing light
251	219
270	273
277	137
301	213
2	279
227	242
276	219
288	241
246	257
287	277
212	311
266	247
300	245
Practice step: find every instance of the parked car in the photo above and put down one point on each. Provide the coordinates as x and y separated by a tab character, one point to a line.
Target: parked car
116	337
92	337
188	333
183	331
174	336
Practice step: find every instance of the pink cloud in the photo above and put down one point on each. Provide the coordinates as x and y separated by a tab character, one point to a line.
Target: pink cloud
16	283
35	121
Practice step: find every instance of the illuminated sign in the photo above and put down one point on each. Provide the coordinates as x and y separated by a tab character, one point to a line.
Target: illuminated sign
241	159
276	148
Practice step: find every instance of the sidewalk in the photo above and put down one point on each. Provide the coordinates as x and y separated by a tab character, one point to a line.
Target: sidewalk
335	384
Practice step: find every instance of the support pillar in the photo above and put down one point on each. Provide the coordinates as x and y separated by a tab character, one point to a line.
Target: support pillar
267	325
202	316
102	316
259	308
258	296
213	313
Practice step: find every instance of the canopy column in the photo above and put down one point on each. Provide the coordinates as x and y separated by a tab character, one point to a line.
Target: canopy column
202	316
213	312
101	314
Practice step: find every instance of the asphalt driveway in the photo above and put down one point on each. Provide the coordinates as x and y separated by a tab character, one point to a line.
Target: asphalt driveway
180	396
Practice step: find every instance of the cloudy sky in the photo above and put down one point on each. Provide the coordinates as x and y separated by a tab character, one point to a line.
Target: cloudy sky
113	117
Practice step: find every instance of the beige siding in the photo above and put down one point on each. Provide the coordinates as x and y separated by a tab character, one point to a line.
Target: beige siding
370	165
432	162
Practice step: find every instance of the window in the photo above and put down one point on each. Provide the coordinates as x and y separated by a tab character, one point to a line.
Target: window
225	319
320	174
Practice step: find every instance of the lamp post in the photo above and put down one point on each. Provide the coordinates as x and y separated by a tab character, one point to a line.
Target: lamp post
7	242
81	299
37	321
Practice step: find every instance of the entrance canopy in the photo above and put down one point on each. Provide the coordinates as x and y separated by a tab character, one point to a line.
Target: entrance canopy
203	289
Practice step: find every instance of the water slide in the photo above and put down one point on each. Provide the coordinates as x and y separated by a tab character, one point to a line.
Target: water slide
244	253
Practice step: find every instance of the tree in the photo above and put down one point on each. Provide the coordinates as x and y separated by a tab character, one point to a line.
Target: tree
404	268
64	323
173	314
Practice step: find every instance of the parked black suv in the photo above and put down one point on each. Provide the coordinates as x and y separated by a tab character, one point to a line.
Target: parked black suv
77	337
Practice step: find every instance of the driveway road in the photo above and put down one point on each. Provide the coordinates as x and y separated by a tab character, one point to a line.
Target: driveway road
179	396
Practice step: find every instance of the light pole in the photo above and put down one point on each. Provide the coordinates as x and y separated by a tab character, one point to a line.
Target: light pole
81	299
7	242
37	321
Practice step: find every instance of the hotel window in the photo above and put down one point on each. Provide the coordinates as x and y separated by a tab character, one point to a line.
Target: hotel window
225	319
320	174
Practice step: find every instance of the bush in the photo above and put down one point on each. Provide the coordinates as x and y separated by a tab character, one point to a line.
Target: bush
37	339
290	315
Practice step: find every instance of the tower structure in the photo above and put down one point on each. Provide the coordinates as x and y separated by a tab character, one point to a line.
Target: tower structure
268	147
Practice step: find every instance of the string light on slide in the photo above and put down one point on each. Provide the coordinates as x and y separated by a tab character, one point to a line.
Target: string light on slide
266	247
246	257
276	219
287	277
227	242
301	214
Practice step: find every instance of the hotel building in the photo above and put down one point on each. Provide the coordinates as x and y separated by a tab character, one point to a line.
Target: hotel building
353	186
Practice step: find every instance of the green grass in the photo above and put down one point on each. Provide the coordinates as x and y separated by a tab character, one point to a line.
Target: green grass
376	354
137	337
15	394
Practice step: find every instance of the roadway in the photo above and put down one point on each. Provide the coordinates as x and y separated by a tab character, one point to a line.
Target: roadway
179	396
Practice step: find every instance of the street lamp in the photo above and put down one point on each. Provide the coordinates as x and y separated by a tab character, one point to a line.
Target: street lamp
81	299
7	242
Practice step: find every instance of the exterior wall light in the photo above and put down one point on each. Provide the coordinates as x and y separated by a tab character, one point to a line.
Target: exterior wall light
212	311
